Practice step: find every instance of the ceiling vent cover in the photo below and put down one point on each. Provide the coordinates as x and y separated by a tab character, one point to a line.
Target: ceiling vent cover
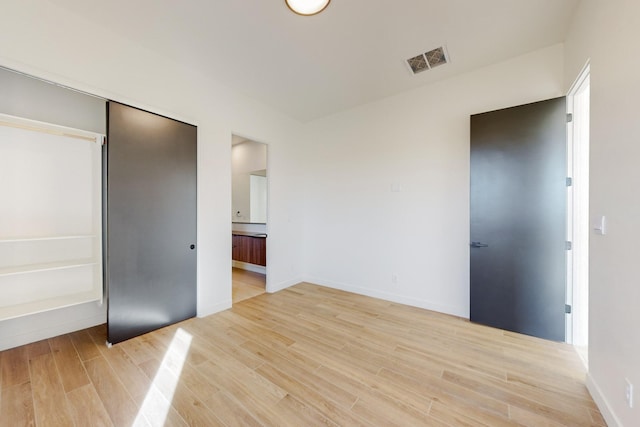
418	63
429	60
436	57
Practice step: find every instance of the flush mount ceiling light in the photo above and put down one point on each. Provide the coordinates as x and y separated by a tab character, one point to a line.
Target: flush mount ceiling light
307	7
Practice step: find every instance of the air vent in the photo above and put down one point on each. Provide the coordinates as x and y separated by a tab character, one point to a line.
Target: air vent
418	63
436	57
427	61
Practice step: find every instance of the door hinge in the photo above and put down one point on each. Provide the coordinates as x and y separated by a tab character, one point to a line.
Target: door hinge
569	181
568	246
567	309
569	117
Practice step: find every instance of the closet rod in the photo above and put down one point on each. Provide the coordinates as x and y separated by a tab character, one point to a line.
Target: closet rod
35	126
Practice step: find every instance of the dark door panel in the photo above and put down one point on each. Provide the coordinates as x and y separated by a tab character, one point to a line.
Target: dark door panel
151	221
518	217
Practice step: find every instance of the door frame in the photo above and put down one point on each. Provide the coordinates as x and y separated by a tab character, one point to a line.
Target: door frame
577	207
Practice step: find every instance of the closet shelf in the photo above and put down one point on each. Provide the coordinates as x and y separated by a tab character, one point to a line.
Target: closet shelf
45	238
15	311
33	268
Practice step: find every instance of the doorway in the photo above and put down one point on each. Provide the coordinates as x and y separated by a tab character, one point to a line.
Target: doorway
249	213
578	101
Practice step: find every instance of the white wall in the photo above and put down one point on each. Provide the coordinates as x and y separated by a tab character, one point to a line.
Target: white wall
40	38
607	32
359	234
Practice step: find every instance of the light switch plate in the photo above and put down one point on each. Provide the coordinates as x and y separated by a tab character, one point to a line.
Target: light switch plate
600	225
396	188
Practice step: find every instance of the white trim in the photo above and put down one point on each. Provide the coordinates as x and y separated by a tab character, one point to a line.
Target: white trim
283	285
569	220
578	82
45	332
575	202
388	296
602	403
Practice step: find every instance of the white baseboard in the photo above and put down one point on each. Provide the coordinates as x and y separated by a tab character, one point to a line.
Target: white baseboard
282	285
602	403
49	331
216	308
249	267
388	296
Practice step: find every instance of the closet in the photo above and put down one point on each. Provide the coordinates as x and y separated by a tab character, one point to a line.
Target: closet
97	214
50	220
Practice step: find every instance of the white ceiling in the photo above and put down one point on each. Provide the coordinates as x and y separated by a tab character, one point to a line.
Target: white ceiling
351	54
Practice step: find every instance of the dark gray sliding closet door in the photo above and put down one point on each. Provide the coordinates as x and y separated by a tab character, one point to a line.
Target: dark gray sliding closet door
151	222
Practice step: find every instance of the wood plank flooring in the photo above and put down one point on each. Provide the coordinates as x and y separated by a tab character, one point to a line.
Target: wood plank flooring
246	284
305	356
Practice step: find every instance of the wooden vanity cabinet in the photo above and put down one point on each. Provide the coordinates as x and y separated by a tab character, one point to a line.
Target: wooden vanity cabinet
249	249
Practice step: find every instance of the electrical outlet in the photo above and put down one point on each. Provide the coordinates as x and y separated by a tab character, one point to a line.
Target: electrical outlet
394	279
628	391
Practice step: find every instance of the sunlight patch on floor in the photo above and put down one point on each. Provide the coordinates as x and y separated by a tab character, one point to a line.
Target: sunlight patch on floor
157	402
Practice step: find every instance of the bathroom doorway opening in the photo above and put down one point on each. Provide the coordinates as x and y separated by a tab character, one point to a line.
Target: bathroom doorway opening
249	217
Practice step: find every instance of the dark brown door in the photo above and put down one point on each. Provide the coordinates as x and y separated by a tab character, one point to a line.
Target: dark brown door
518	217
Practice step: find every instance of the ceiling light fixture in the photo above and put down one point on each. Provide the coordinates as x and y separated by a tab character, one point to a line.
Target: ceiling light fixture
307	7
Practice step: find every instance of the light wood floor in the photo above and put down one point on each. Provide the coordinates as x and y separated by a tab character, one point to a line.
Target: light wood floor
246	284
304	356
